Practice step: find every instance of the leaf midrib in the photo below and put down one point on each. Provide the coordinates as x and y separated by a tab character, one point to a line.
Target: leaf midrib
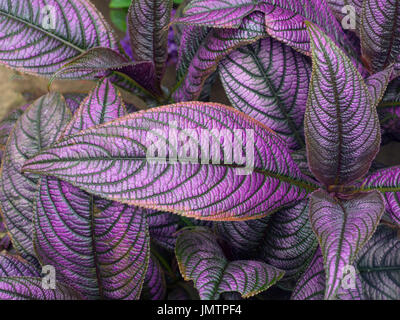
306	185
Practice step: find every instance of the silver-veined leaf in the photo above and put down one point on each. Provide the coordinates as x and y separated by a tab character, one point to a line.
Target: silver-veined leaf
202	260
36	129
289	242
39	37
380	29
134	160
311	286
162	228
100	248
30	288
216	45
341	123
244	237
379	265
147	22
15	266
342	228
269	82
387	181
154	286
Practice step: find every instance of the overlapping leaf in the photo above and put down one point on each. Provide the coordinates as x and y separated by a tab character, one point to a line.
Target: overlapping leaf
269	82
284	19
379	266
74	100
341	123
387	181
30	288
36	129
102	105
98	62
311	285
289	242
377	84
133	160
154	287
202	260
218	13
342	228
14	266
244	237
380	29
147	24
99	248
215	46
162	228
38	37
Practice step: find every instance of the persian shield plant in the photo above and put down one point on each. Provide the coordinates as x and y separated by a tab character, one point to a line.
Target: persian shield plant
189	198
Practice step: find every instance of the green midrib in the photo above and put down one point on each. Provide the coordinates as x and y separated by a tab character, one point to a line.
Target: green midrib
306	185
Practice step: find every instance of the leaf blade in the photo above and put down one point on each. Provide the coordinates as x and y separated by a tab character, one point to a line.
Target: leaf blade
22	25
334	124
342	228
161	178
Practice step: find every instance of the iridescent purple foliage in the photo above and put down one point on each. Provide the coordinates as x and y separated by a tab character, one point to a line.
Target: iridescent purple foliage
128	204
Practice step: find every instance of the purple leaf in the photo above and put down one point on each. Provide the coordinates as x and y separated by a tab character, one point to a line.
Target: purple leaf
342	228
74	100
289	242
30	288
387	181
380	29
300	158
191	39
15	266
217	13
37	128
39	41
99	248
244	237
341	124
154	287
123	161
216	45
311	285
379	266
338	9
285	21
162	228
269	82
98	62
147	22
202	260
377	84
103	104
